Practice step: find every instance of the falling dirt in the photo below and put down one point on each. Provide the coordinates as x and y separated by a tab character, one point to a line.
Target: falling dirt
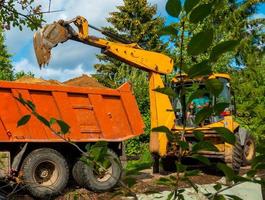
81	81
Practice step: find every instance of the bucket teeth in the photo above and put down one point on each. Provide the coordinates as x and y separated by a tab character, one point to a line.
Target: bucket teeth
45	39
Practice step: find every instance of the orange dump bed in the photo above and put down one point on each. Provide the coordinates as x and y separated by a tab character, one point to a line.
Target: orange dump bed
93	113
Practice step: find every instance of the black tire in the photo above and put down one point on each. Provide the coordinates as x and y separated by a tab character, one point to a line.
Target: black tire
87	177
169	163
249	150
45	173
237	155
78	174
156	159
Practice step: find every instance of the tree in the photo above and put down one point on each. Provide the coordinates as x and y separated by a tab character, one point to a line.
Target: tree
134	21
18	13
249	86
229	20
6	69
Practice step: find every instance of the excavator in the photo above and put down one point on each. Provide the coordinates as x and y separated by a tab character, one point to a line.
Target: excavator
162	107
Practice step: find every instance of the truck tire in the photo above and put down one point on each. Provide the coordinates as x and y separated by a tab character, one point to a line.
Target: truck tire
237	155
77	173
249	150
89	179
45	173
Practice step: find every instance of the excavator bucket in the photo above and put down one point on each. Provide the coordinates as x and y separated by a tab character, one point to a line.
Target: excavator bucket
47	38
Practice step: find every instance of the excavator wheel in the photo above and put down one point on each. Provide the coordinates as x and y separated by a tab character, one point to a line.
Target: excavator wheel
249	150
98	180
237	155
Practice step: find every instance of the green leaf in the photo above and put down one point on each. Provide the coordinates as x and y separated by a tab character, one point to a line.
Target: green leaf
229	173
170	135
220	107
200	69
170	196
200	13
164	181
23	120
198	135
169	30
257	160
184	145
52	121
214	86
223	47
202	159
130	181
192	172
251	173
200	42
181	167
203	114
204	145
217	187
219	197
167	91
31	105
234	197
43	120
226	134
196	94
190	4
64	126
173	7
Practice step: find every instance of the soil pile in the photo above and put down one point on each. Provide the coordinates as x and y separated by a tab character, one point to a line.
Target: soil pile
84	81
81	81
30	79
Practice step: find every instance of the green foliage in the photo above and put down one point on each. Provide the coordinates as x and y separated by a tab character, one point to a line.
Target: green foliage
200	42
6	69
249	86
19	13
145	161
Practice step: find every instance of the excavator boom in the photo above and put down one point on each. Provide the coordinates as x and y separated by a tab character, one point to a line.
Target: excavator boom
58	32
154	63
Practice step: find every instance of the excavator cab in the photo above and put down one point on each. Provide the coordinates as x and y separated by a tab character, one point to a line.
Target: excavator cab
183	104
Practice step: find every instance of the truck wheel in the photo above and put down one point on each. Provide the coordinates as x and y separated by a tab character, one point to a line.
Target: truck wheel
77	173
45	172
103	181
237	155
249	150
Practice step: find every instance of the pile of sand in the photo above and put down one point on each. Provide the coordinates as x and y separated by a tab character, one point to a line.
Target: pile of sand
81	81
84	81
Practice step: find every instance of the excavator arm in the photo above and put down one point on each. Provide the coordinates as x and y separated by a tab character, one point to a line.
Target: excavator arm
154	63
61	31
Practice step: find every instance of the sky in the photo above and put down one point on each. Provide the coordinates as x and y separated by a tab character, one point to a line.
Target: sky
70	59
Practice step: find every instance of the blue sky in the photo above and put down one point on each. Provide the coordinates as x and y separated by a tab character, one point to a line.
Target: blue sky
70	59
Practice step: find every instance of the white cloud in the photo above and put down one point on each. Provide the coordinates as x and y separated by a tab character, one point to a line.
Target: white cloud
60	74
71	54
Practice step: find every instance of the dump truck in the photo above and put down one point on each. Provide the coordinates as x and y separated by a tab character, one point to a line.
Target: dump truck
41	160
